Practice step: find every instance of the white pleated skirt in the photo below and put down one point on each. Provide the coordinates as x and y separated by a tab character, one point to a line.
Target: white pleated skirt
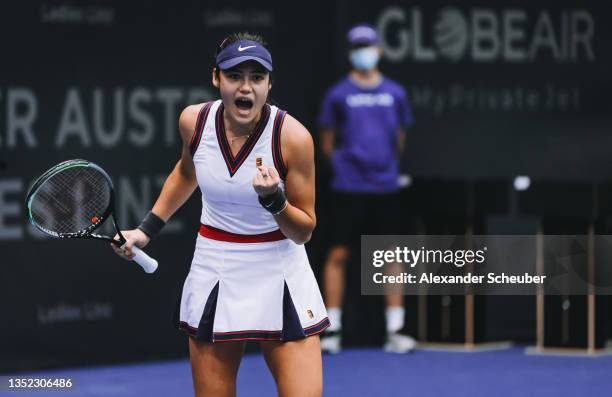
250	291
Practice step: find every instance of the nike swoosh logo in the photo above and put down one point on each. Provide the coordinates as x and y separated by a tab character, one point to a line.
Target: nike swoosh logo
240	48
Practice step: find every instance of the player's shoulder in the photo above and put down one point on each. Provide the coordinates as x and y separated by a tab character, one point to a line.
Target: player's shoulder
294	135
190	113
295	130
189	118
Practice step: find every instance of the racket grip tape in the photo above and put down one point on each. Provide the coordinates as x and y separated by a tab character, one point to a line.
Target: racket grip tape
145	261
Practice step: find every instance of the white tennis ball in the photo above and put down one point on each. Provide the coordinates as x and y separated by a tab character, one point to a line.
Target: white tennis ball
522	183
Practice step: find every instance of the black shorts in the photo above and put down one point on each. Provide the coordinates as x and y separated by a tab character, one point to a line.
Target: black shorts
356	214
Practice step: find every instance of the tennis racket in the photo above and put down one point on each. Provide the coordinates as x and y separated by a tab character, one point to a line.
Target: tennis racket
72	200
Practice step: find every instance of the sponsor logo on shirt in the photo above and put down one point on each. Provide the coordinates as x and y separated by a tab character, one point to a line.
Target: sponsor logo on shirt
358	100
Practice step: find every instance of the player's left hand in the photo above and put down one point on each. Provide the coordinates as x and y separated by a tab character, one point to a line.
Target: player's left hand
266	181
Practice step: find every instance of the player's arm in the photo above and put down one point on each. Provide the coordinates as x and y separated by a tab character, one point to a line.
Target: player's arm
296	219
177	188
181	182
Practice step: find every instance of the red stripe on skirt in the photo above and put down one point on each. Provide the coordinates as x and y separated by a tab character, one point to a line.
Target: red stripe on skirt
221	235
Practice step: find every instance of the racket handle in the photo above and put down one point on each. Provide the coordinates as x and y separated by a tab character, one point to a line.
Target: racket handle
145	261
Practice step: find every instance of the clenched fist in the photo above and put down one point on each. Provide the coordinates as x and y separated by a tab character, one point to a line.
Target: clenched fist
266	181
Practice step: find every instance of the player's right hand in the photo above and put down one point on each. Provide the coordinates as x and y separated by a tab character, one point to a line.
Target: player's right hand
133	237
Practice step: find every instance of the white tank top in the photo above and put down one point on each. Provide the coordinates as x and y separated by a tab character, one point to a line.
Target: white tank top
229	201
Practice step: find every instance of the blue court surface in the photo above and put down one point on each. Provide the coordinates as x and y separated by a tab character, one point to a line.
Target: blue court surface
366	372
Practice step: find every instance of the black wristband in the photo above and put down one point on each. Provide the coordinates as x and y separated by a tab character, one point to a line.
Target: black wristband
274	203
151	225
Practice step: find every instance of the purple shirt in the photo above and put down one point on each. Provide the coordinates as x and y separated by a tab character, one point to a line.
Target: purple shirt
366	122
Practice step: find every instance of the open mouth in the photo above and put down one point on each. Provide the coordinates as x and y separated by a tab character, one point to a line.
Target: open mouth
243	103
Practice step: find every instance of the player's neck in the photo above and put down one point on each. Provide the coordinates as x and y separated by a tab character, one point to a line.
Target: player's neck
366	79
235	129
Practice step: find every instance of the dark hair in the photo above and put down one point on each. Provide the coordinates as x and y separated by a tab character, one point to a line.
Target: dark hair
234	37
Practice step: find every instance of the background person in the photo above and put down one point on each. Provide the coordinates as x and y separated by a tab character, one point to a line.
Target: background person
363	119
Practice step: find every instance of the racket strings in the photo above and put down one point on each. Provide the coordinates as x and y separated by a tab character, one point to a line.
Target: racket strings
71	201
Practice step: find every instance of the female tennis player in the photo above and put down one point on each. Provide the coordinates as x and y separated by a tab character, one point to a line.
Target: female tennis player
250	278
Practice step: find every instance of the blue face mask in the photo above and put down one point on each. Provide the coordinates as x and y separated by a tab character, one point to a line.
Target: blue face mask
364	59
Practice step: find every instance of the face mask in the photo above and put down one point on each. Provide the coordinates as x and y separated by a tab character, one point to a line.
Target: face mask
364	59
